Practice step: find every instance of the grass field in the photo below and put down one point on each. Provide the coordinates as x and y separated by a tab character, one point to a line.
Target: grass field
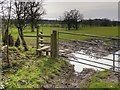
104	31
101	31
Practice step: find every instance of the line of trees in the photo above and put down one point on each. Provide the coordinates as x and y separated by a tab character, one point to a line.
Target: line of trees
74	19
99	22
89	23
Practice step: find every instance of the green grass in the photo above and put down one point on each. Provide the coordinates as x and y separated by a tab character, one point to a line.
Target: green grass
96	81
102	31
36	74
104	85
32	73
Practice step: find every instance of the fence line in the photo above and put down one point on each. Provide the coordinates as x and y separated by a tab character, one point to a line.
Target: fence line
95	62
93	43
80	34
93	65
97	57
55	42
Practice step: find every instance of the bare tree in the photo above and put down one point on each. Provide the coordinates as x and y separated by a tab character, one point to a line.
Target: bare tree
21	19
6	15
35	11
72	18
1	2
67	19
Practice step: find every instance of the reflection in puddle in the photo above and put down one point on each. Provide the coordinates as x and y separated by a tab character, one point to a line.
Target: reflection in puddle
79	67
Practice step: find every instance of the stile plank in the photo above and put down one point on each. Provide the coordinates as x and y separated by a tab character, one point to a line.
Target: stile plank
43	48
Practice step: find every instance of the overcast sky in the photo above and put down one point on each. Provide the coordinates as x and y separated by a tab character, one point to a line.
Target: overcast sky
88	9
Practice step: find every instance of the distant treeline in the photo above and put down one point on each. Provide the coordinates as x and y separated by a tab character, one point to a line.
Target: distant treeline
99	22
82	23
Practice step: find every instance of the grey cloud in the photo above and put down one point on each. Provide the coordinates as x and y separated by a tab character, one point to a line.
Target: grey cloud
88	9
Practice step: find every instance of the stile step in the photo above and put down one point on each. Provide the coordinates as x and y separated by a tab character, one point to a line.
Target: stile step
41	39
41	45
43	48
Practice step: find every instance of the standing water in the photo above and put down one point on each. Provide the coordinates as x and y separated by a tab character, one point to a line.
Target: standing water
79	67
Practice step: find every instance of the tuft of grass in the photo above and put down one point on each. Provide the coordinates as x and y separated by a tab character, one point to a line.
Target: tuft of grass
21	48
100	75
104	85
13	48
96	81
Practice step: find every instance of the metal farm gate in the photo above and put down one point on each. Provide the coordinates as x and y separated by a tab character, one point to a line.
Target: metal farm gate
91	45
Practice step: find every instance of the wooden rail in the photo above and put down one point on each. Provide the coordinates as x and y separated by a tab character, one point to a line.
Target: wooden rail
29	36
44	36
80	34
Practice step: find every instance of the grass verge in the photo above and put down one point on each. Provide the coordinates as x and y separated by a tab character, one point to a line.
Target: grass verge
97	82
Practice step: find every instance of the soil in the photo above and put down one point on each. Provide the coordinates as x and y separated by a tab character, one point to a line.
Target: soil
93	47
68	78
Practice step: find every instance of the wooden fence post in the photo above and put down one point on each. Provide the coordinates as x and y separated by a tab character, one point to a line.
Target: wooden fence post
114	44
114	61
51	45
54	45
37	38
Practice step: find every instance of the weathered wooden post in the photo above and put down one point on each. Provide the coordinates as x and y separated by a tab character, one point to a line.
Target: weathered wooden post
114	61
54	45
37	38
114	45
7	49
51	45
